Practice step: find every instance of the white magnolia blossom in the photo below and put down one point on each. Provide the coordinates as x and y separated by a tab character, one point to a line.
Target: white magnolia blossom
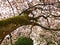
30	0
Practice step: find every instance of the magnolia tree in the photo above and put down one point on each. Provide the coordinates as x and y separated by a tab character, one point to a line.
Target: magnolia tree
44	15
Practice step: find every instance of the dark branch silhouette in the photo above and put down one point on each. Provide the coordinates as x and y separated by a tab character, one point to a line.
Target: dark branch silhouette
11	7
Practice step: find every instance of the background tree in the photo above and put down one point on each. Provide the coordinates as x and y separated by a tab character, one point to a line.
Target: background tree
44	15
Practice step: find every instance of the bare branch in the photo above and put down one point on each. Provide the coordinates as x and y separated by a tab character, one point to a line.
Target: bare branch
11	7
1	40
10	38
46	28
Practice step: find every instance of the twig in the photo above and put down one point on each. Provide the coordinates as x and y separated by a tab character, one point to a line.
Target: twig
33	7
47	27
11	7
10	38
1	40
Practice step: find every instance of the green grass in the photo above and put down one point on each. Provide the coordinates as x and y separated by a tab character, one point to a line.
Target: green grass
24	41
